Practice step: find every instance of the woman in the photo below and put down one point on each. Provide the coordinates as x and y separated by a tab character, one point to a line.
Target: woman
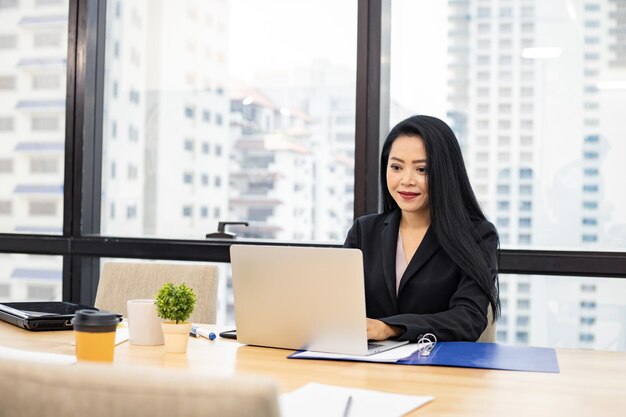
430	257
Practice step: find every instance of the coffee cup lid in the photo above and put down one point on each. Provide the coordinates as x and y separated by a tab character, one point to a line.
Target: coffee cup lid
94	318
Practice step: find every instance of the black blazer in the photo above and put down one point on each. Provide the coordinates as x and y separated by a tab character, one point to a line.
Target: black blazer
435	295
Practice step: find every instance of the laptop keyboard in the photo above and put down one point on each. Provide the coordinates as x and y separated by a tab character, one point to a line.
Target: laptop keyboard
371	346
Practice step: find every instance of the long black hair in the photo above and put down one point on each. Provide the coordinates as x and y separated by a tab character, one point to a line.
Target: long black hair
454	210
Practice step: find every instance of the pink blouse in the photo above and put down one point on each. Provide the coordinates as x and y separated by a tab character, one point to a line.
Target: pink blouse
401	262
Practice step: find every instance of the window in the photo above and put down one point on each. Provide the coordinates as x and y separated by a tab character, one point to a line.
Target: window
7	82
590	204
6	166
238	111
132	172
47	39
8	42
589	238
41	292
587	321
46	82
131	212
6	124
44	165
525	222
42	208
586	337
521	338
526	173
45	123
33	73
590	188
6	207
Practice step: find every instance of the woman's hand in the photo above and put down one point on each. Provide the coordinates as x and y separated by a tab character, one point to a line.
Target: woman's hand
377	330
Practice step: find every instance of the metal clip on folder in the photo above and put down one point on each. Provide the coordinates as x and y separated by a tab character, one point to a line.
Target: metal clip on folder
426	343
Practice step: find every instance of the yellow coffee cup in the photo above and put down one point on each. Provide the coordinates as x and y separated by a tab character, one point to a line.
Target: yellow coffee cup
95	335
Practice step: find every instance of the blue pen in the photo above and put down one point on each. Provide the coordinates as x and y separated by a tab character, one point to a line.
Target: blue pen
202	332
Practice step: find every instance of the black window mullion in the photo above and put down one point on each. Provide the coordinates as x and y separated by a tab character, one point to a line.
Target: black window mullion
83	139
367	118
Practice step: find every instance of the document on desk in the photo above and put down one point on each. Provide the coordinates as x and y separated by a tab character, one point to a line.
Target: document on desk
387	356
27	355
313	400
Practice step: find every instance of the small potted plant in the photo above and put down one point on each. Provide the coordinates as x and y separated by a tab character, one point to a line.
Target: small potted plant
175	304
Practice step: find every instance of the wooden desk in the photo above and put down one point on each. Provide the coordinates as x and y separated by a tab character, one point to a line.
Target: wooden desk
591	383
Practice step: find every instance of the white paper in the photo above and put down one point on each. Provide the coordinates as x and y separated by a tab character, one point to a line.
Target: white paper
388	356
328	400
121	335
27	355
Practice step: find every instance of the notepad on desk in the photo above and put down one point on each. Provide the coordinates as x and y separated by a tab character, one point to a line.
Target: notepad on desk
459	354
328	400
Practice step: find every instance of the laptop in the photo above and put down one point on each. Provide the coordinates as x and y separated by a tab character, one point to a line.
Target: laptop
41	315
302	298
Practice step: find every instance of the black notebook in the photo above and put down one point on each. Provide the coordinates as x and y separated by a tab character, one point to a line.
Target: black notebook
41	315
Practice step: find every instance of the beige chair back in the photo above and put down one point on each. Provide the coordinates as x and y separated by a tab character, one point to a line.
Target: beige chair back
489	334
123	281
97	390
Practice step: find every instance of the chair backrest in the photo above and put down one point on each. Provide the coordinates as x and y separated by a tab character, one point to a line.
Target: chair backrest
123	281
100	390
489	334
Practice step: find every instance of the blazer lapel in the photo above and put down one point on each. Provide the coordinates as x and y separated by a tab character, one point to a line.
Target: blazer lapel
424	252
389	237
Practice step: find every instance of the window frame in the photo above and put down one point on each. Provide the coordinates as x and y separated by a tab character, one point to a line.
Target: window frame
80	243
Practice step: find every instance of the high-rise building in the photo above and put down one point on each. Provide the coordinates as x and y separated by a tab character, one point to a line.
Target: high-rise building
272	170
325	92
525	96
165	169
33	51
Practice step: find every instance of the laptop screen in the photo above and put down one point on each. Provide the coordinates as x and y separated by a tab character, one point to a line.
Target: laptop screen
46	308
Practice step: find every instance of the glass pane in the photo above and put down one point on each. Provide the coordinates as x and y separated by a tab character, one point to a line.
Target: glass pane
244	112
568	312
30	277
33	55
535	91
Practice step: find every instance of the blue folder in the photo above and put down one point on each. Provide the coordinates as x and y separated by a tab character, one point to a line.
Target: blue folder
473	355
487	356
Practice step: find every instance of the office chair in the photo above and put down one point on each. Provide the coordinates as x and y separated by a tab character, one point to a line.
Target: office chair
123	281
489	334
101	390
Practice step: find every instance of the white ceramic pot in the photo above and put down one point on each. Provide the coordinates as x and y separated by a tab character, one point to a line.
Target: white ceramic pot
176	336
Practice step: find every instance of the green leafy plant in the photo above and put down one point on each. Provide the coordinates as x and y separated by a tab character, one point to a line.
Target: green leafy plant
175	302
